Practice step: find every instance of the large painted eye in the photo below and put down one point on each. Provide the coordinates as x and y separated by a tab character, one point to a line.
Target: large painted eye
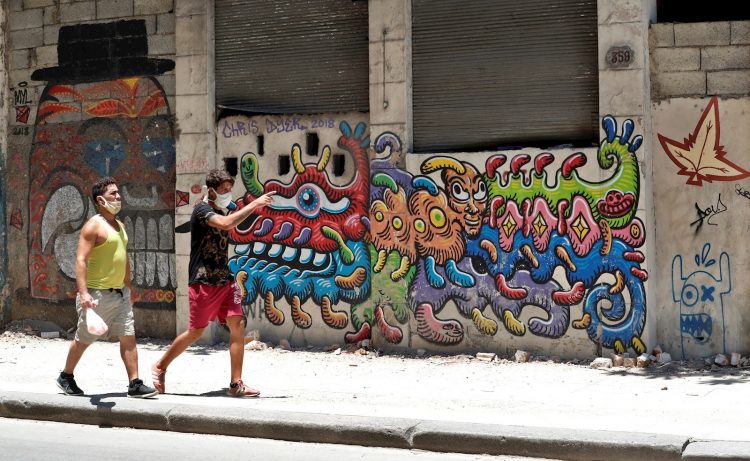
310	201
689	295
397	223
481	192
419	226
104	155
437	218
159	152
458	192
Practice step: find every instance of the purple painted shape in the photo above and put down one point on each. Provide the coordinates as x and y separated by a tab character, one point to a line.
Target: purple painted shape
284	232
303	237
265	228
485	293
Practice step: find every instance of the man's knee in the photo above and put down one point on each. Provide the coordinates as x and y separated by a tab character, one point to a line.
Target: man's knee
236	321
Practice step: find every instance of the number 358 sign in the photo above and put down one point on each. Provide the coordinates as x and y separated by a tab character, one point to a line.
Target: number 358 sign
620	57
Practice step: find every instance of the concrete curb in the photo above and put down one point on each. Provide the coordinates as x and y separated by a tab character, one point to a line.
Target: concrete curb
438	436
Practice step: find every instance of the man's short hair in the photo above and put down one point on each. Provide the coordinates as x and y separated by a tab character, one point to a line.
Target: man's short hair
100	186
214	178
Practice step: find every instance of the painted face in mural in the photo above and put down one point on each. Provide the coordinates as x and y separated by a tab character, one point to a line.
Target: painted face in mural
102	113
467	195
700	295
119	128
467	192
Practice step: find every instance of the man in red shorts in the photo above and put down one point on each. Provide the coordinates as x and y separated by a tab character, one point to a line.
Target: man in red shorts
212	290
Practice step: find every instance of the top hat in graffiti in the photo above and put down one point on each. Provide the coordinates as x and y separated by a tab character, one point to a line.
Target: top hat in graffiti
103	51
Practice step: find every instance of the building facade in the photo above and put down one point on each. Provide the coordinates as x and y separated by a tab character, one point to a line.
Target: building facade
450	176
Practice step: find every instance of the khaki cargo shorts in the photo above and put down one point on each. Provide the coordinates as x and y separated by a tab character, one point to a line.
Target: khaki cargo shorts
115	308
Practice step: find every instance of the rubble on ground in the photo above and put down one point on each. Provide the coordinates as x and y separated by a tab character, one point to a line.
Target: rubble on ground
26	331
19	330
255	345
522	356
601	362
486	356
643	361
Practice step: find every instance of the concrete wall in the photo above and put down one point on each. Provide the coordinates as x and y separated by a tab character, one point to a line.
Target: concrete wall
435	270
465	251
196	140
73	119
4	305
454	252
701	199
699	59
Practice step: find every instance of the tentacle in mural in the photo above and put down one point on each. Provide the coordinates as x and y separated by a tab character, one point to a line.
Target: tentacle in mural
618	329
540	295
624	327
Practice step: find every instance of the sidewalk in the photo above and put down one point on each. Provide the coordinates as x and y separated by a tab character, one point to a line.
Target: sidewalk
457	403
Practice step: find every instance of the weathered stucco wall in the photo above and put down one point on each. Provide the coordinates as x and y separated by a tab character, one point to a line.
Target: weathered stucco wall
701	111
454	252
92	91
4	304
702	206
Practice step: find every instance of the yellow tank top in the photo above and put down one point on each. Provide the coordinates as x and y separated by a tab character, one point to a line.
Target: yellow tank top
106	267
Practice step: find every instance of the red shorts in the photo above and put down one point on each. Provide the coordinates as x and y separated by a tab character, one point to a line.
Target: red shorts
208	302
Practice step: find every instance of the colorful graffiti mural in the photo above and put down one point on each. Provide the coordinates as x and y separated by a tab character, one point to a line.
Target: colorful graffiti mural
309	244
98	117
700	156
496	238
700	295
490	242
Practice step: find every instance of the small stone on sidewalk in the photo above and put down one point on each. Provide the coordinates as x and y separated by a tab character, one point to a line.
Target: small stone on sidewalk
522	356
486	356
601	362
721	360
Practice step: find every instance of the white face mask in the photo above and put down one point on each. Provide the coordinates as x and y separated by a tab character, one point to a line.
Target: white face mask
223	200
113	207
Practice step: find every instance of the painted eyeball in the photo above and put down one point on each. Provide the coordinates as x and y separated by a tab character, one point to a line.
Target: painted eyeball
437	218
689	295
458	192
397	223
635	231
420	226
481	192
379	216
308	200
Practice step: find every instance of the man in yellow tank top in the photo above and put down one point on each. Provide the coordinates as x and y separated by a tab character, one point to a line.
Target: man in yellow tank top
103	281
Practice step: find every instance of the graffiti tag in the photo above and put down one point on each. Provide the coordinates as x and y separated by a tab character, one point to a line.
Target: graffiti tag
708	213
239	128
284	125
21	95
741	192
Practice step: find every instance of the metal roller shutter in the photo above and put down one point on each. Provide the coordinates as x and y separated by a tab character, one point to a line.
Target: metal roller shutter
292	56
492	73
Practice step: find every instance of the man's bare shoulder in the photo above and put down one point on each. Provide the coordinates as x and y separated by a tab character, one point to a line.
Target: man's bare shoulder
92	227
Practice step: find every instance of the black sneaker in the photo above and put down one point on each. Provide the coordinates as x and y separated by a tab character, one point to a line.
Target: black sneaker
138	390
68	385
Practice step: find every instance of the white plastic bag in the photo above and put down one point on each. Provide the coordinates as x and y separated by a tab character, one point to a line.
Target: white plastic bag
94	323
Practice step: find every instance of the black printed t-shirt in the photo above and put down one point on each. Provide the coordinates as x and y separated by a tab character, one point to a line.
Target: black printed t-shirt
208	249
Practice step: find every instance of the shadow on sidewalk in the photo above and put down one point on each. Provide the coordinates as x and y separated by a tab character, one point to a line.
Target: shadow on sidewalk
96	399
677	370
